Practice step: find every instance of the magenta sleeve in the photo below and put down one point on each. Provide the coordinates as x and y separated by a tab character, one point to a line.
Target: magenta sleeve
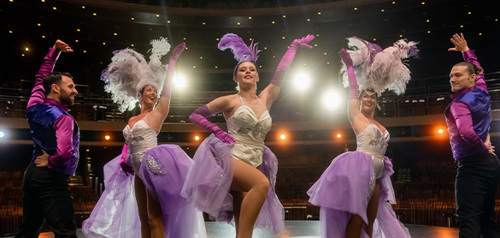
64	137
470	56
38	92
462	115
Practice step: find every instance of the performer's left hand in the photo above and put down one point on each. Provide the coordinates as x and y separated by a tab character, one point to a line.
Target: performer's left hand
303	42
42	160
177	51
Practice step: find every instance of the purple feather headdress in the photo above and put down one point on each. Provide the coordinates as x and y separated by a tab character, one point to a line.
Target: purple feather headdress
242	52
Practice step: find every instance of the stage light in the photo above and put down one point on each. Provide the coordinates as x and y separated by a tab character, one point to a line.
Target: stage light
302	80
196	138
107	137
339	135
2	134
180	81
331	99
283	137
440	131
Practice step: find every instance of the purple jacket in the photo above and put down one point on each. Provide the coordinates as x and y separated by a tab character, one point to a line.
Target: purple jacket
51	126
469	116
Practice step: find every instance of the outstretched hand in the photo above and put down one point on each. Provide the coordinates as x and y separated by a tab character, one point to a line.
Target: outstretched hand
178	51
346	57
303	42
459	42
61	46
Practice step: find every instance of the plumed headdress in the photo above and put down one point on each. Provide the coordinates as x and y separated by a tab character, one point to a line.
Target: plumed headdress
379	69
242	52
129	72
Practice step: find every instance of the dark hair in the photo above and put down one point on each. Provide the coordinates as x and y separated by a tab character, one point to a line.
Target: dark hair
471	68
238	65
53	78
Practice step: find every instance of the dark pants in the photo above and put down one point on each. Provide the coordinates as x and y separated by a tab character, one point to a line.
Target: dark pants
46	196
475	187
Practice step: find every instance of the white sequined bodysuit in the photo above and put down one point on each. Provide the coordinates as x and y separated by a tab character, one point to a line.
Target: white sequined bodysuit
249	132
139	139
373	142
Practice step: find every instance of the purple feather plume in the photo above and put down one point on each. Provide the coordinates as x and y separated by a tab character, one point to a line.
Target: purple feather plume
241	51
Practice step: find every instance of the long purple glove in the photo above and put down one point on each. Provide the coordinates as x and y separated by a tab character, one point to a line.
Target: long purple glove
199	116
353	84
123	163
167	85
287	59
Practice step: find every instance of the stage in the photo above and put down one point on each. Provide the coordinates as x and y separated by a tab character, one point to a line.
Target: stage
305	229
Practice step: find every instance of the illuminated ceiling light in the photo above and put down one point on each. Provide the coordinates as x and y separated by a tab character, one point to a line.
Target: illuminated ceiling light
157	15
393	3
260	66
265	47
184	38
400	36
11	0
238	23
308	19
249	18
302	81
382	10
284	16
283	37
461	26
84	51
315	45
168	21
131	45
469	13
27	49
274	56
324	53
273	22
428	32
374	39
43	0
196	138
216	67
319	13
78	30
331	99
107	137
95	14
427	20
76	41
83	7
423	3
496	19
480	33
339	135
317	34
187	48
133	19
250	38
115	34
203	23
54	8
355	9
103	43
194	66
43	37
10	32
283	137
180	81
201	57
327	62
217	39
440	131
22	55
38	24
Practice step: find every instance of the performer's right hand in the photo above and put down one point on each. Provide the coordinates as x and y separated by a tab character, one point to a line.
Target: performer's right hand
224	137
42	160
346	57
61	46
126	168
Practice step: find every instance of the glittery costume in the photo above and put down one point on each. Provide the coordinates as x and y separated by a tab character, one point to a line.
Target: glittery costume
346	186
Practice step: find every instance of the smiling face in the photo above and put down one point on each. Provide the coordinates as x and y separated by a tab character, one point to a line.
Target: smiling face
246	74
461	78
66	90
149	96
368	101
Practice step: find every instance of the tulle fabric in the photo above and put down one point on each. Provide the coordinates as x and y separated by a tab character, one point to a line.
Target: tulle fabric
209	179
345	189
115	214
163	171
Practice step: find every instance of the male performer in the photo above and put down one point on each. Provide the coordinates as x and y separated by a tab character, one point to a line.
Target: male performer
56	139
468	118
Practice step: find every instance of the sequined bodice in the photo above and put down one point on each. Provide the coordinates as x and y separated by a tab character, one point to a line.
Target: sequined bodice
245	127
140	138
372	141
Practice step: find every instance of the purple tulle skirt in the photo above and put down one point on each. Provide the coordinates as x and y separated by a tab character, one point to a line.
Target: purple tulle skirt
209	179
115	214
163	171
345	188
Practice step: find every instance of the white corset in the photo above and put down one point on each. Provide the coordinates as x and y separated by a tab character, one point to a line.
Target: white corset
373	142
139	139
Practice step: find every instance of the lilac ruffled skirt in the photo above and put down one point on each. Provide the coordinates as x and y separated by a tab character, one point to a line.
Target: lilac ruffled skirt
163	171
115	214
345	188
209	179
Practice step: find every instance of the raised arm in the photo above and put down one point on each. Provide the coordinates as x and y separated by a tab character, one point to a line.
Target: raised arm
270	93
469	56
357	120
38	92
200	115
159	114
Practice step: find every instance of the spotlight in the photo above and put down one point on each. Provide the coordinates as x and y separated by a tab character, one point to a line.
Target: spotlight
196	138
331	99
2	134
339	135
302	80
440	131
180	81
107	137
283	137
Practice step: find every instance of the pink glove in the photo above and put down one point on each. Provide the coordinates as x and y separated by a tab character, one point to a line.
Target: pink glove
167	85
353	84
287	59
123	163
199	116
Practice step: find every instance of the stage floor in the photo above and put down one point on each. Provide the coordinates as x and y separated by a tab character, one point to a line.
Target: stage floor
305	229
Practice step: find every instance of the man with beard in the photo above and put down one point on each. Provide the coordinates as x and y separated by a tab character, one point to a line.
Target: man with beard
56	138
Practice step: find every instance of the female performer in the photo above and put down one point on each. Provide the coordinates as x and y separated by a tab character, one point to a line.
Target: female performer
234	173
354	190
128	75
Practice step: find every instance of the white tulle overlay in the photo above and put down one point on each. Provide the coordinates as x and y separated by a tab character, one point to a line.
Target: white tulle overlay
379	69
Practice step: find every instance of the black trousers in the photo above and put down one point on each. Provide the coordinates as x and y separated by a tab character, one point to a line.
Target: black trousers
476	184
46	196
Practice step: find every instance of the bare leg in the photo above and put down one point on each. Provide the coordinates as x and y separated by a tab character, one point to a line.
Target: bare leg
142	205
372	209
155	216
237	200
354	227
251	180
